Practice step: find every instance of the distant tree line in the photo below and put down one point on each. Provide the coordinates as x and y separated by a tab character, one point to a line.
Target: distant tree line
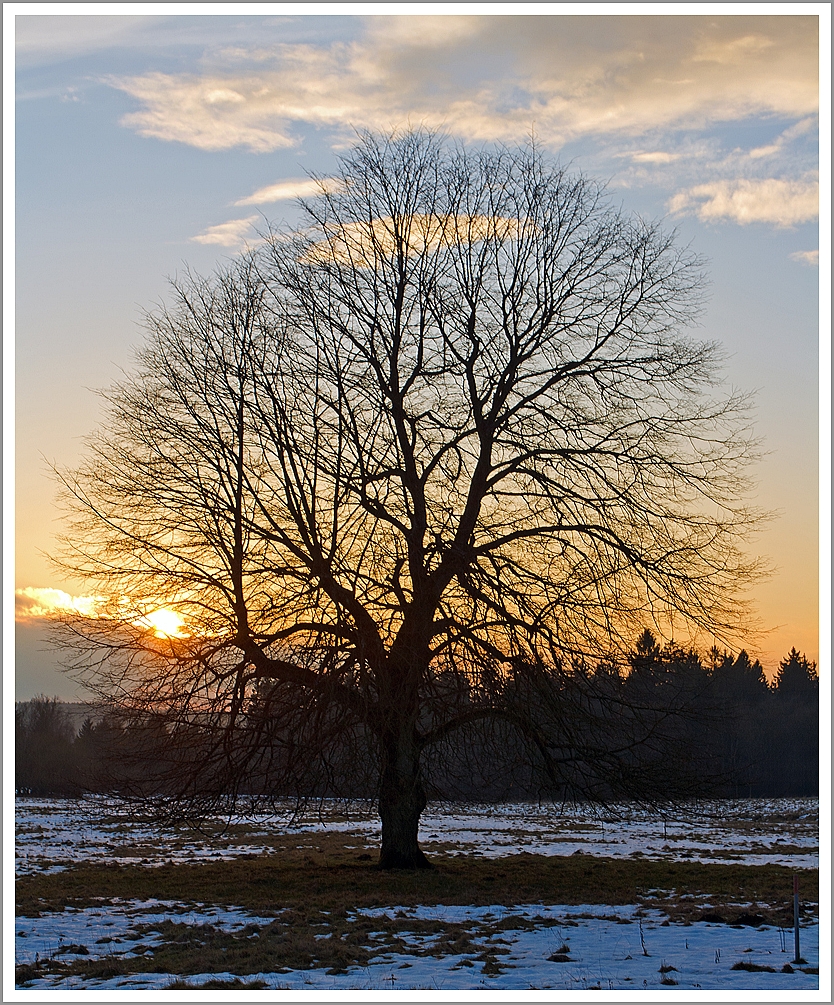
748	738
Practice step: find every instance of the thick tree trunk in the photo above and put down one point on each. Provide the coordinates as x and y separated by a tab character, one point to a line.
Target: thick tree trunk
401	801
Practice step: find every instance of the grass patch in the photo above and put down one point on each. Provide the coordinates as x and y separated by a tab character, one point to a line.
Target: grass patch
311	896
297	940
329	876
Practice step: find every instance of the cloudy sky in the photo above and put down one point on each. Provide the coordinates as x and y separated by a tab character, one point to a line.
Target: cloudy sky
148	141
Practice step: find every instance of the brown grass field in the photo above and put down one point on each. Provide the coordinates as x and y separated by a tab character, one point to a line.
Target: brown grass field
313	892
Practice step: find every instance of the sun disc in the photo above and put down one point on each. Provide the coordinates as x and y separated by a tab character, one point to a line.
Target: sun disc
165	623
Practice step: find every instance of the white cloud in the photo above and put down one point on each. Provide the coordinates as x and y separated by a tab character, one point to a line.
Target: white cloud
41	602
491	78
807	257
653	157
41	39
416	31
291	188
207	113
223	96
229	234
778	201
653	84
801	128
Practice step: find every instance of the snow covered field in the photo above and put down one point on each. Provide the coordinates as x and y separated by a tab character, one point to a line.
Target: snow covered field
520	947
599	948
52	833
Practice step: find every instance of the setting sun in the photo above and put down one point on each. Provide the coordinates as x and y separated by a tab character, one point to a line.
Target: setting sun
165	623
44	602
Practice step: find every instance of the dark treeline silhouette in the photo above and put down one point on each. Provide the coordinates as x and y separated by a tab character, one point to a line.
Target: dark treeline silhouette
745	737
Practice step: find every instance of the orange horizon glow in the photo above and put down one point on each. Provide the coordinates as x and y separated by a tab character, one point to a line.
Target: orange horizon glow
165	622
46	602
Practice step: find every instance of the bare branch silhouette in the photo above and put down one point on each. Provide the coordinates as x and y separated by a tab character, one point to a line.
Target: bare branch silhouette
398	469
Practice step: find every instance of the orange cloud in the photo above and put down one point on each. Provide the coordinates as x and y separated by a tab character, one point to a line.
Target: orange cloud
359	243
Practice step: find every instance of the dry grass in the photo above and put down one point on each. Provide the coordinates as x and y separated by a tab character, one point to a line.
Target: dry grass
329	876
312	894
296	940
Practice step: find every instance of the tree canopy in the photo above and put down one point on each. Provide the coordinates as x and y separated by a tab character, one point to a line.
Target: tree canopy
394	470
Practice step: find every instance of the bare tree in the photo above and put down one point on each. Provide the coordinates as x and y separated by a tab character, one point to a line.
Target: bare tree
399	469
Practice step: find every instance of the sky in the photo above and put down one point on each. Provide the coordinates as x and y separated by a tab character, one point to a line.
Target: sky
151	139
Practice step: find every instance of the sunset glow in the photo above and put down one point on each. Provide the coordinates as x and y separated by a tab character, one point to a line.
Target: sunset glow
42	602
165	623
46	602
195	132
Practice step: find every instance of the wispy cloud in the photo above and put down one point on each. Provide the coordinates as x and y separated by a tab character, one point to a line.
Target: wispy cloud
652	157
40	37
210	113
645	95
778	201
291	188
230	234
811	258
492	78
800	128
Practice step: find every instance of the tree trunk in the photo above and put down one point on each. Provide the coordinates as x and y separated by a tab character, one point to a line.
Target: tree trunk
401	801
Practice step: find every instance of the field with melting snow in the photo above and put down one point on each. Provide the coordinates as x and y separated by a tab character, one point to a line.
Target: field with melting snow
664	939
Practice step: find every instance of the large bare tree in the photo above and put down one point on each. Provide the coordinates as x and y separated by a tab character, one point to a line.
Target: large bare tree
400	468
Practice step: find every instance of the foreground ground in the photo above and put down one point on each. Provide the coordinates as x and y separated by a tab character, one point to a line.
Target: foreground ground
114	903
